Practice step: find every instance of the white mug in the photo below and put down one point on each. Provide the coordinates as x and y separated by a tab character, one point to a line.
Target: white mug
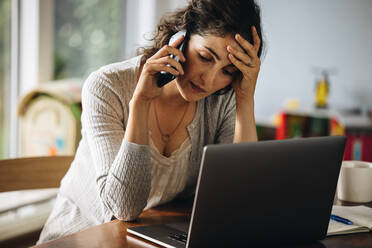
355	182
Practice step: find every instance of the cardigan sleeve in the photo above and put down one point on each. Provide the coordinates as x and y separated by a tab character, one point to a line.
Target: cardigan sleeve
122	168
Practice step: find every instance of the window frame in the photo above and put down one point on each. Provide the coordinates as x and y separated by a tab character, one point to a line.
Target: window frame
32	51
31	61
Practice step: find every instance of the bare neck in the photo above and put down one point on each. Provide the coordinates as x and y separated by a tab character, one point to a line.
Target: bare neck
171	96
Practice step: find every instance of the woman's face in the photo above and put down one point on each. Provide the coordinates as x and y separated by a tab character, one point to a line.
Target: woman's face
207	67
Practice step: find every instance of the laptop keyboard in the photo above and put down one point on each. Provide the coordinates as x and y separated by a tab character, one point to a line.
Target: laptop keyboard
180	237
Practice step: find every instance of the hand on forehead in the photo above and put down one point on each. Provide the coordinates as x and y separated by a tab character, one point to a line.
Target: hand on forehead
218	45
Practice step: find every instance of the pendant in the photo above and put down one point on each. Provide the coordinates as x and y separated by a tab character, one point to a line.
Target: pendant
165	138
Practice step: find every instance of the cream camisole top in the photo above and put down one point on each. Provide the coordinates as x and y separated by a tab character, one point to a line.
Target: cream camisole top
168	174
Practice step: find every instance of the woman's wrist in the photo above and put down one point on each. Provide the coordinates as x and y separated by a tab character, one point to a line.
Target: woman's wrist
245	126
137	126
138	100
139	103
244	104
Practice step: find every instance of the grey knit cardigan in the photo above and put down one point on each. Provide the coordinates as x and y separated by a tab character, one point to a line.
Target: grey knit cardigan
111	177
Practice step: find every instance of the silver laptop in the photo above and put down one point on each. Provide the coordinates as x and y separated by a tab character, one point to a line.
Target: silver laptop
269	192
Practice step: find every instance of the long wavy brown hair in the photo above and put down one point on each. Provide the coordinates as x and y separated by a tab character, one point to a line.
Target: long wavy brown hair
203	17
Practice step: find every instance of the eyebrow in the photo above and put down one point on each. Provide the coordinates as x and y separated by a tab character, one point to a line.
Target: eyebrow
218	57
213	52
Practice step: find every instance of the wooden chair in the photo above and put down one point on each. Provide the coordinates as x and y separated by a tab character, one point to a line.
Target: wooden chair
31	173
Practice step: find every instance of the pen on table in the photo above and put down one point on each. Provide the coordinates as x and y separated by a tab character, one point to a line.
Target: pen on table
340	219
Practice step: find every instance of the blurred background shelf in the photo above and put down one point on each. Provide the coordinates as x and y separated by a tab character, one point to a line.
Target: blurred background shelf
355	125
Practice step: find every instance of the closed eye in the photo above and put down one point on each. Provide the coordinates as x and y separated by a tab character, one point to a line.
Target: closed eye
204	58
228	73
230	70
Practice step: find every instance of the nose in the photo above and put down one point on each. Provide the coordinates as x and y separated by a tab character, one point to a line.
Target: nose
208	76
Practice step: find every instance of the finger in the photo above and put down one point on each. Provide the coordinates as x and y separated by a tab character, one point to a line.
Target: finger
168	50
243	57
248	47
240	65
168	60
256	39
177	42
154	68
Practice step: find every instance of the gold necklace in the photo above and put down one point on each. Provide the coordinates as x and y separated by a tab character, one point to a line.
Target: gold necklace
166	137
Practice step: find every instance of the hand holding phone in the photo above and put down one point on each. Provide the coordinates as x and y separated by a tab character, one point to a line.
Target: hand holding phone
151	77
166	77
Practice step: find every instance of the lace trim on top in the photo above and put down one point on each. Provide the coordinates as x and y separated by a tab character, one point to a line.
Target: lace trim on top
168	174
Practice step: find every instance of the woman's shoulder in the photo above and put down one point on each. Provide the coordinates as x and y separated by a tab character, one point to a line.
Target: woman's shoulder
120	77
124	71
127	66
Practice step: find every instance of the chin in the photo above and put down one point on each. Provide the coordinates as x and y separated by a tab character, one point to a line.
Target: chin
188	94
189	97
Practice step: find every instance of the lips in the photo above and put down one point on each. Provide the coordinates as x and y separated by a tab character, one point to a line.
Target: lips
197	88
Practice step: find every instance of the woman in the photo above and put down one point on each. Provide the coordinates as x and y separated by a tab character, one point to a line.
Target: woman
141	145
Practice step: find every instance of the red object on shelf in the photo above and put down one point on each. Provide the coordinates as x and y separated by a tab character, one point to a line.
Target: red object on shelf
282	126
358	147
359	137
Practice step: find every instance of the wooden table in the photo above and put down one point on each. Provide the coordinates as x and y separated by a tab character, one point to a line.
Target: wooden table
114	234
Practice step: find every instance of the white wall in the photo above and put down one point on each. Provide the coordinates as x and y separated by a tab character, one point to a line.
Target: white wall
301	34
141	19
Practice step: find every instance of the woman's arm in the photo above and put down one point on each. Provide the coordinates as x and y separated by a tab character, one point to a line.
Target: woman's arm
137	126
122	158
147	90
122	168
245	125
249	64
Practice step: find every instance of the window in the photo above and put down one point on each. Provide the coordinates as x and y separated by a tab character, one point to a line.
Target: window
58	39
87	35
5	24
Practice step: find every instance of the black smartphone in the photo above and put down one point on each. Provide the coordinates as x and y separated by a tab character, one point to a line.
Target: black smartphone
166	77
